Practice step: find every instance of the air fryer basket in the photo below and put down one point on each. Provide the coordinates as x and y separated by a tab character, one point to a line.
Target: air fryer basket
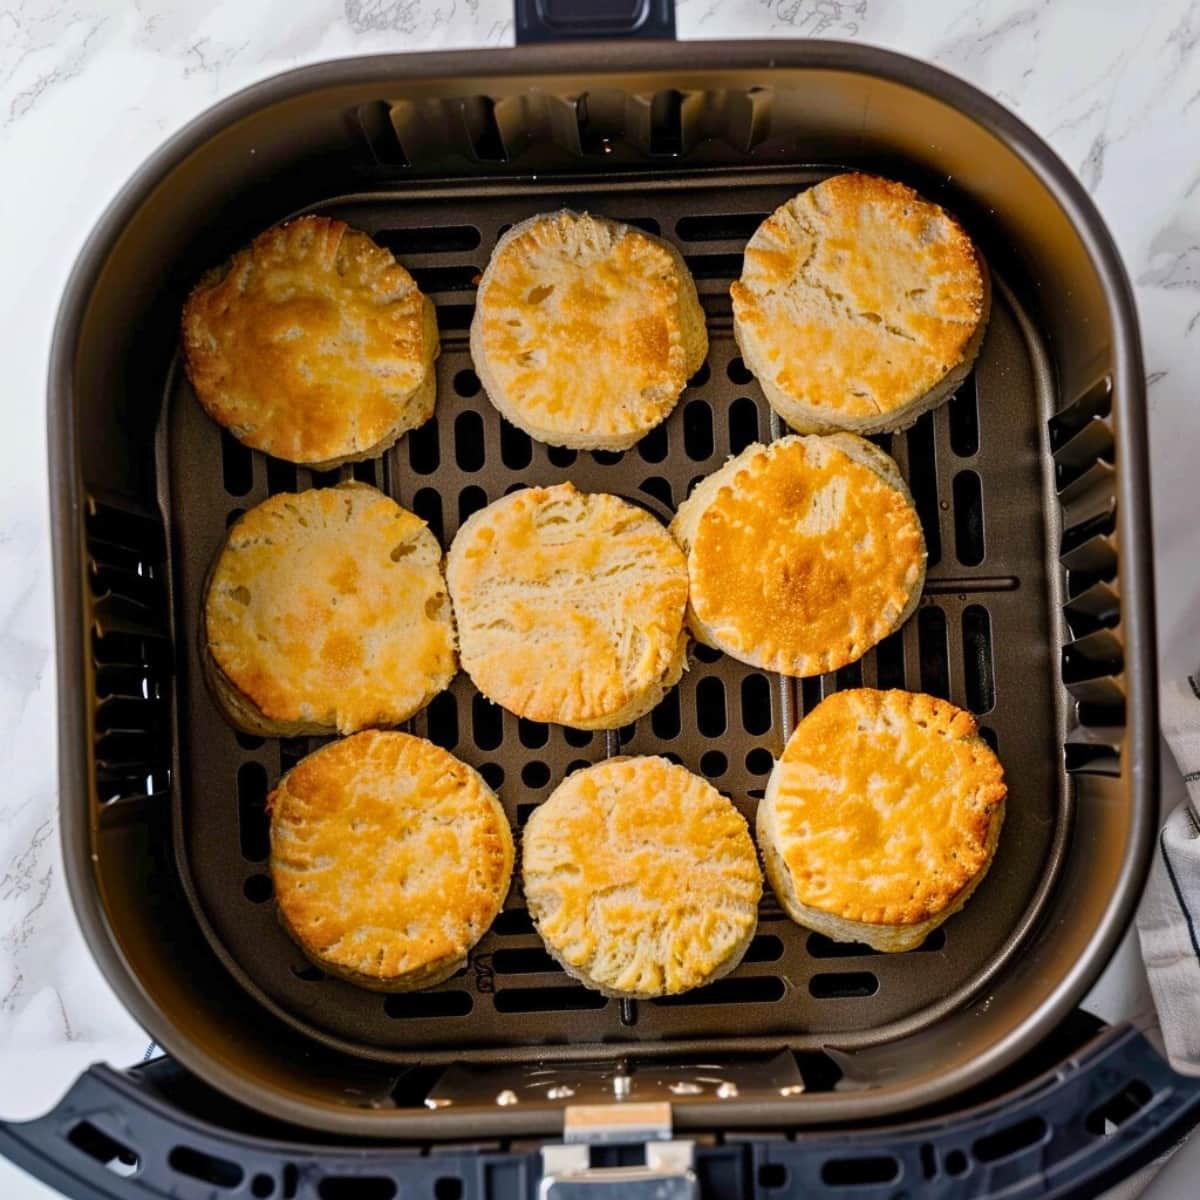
1030	616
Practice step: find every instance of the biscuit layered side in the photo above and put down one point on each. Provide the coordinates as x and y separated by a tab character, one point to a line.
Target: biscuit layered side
312	344
802	554
586	330
860	306
641	878
569	606
327	612
390	859
881	817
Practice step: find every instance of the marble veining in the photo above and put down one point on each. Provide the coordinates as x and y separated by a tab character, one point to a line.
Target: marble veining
89	87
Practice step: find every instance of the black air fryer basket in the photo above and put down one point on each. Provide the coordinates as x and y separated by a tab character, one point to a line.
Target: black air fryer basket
960	1068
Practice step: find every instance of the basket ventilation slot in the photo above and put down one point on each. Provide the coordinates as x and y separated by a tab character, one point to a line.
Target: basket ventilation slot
130	651
1081	440
496	132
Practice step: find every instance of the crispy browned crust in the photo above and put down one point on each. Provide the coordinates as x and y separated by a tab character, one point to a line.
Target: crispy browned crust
802	554
327	612
641	877
586	330
884	811
569	606
860	306
390	859
312	344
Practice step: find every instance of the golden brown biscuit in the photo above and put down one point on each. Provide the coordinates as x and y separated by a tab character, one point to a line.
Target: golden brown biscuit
641	877
569	606
312	344
802	554
881	817
390	859
860	306
327	612
586	330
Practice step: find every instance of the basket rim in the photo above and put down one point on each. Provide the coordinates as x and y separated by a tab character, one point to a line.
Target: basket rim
77	822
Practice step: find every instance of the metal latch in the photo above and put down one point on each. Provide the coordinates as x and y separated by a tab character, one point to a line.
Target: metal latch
666	1174
568	1174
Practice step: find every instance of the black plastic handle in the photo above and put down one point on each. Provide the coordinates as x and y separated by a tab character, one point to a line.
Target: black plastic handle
1072	1132
580	20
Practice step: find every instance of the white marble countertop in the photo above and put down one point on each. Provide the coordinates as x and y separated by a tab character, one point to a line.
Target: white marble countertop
89	88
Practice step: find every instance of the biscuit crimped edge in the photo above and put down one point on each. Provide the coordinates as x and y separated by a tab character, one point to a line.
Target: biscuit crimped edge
692	336
619	949
685	525
437	969
242	711
761	353
901	934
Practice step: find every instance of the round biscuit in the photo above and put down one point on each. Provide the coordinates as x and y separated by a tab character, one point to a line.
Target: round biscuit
327	612
641	878
860	306
390	859
569	606
586	330
881	817
312	344
802	554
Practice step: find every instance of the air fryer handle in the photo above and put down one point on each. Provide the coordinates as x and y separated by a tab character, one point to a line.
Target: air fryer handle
1106	1110
583	20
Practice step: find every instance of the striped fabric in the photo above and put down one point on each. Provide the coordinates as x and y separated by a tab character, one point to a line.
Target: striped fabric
1169	918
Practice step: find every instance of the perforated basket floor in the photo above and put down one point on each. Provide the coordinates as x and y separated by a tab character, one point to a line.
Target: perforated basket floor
982	638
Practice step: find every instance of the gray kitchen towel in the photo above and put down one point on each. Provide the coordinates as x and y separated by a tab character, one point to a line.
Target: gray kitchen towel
1169	918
